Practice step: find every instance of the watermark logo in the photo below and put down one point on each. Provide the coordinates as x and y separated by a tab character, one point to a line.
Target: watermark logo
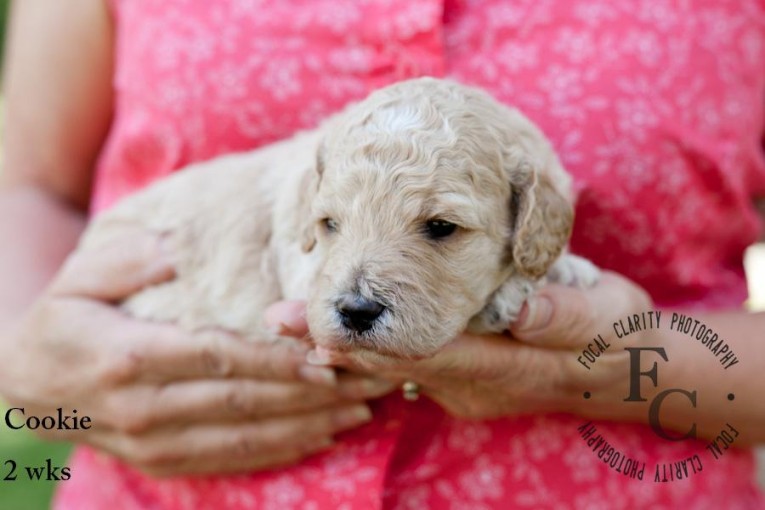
643	389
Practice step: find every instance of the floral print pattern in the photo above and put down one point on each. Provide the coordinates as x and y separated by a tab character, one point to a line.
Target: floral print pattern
656	108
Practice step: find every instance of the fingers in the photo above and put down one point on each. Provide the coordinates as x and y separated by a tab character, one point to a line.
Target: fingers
565	317
138	351
139	410
484	377
116	270
166	353
234	447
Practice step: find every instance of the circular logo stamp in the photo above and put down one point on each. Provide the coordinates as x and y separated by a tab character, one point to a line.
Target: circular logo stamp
649	399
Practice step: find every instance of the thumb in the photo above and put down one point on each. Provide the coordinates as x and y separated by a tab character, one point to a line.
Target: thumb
557	316
536	314
287	318
117	269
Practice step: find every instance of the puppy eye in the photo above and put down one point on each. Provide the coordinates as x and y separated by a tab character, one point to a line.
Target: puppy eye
438	229
329	224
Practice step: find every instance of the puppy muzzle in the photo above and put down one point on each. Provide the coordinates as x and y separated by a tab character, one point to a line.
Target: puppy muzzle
358	313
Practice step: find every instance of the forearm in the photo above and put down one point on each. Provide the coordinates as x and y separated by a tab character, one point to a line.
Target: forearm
37	232
58	99
726	390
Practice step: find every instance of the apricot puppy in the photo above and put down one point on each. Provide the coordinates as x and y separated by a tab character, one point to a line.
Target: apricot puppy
426	209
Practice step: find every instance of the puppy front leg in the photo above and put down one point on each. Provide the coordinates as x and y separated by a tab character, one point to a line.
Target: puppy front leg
504	306
573	271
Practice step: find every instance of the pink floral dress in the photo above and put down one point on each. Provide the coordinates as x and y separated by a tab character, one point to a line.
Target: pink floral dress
657	109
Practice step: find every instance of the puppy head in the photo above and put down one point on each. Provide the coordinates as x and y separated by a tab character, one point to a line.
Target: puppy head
428	196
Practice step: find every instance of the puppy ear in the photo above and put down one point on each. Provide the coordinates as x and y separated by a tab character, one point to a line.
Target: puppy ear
541	222
309	185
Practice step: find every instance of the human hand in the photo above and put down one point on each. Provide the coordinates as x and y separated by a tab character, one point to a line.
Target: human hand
164	400
537	370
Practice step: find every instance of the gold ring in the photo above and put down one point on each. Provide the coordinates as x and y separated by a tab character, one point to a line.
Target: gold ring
411	391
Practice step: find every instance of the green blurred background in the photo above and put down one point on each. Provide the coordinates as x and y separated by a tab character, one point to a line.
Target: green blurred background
21	447
3	19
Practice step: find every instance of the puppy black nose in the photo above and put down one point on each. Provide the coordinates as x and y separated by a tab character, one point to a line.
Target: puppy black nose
358	313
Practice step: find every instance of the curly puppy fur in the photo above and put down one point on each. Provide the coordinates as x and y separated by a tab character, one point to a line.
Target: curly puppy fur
341	213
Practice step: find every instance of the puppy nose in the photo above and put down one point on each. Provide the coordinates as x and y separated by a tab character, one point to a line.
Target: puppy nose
358	313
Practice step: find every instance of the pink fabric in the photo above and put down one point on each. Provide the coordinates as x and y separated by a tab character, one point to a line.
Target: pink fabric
655	107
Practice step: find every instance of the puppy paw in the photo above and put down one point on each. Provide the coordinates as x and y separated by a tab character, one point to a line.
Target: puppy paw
503	307
574	271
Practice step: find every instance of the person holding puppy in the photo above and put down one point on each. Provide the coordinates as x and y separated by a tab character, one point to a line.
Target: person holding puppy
664	143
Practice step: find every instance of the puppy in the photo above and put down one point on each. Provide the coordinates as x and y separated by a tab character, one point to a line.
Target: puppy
424	210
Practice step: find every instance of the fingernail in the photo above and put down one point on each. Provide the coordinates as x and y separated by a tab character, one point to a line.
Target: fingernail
352	416
318	357
318	375
536	314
